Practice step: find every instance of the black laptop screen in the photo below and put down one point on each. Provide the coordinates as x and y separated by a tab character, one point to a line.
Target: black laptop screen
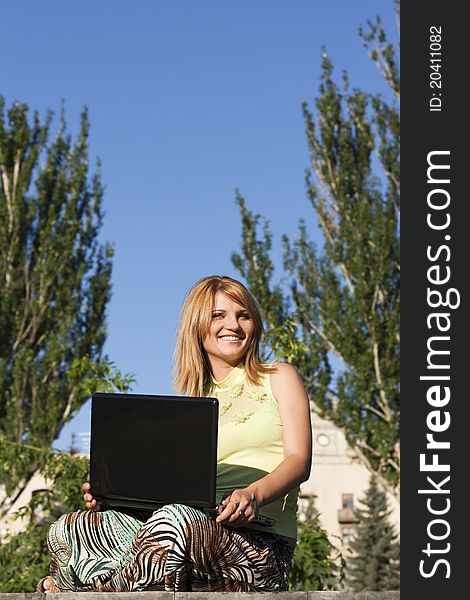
161	449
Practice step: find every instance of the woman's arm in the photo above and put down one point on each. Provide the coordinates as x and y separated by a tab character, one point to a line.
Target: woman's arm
294	410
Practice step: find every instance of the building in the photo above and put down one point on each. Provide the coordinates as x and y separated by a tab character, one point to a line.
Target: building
337	482
10	522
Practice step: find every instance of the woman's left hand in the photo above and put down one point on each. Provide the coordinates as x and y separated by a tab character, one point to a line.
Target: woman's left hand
238	508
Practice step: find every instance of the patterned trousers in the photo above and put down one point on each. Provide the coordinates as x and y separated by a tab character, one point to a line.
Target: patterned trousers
177	549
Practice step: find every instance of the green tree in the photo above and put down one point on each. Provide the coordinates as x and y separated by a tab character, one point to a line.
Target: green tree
317	564
313	567
24	557
55	283
341	304
374	563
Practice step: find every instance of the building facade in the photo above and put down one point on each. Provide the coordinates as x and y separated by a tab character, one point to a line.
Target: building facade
337	482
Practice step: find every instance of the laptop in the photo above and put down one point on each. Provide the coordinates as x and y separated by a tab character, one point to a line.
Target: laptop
147	451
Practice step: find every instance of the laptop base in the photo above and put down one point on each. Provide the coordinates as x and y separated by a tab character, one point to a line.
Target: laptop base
147	507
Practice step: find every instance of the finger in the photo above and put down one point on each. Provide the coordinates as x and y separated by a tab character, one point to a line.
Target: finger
93	505
235	524
251	517
231	518
235	506
237	502
86	487
222	506
227	512
236	518
238	515
248	513
238	522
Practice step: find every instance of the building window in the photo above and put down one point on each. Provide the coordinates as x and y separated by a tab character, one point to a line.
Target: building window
348	501
306	507
347	534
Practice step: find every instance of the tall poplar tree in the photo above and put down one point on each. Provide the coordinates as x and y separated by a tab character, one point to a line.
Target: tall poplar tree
55	283
338	319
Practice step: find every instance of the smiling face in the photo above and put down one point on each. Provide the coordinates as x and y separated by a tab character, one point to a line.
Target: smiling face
229	335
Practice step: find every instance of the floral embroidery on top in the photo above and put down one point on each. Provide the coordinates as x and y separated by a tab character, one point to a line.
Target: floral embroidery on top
224	408
236	390
258	396
240	418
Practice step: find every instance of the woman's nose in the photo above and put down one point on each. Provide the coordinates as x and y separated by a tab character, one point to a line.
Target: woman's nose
232	322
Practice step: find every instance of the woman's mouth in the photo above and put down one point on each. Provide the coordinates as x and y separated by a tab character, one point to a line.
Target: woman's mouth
230	338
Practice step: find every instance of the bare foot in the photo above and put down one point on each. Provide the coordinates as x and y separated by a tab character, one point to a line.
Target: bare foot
45	585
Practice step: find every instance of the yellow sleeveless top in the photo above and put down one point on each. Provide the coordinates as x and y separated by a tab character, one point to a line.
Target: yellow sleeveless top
250	444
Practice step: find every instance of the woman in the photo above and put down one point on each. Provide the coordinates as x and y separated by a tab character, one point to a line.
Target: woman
264	454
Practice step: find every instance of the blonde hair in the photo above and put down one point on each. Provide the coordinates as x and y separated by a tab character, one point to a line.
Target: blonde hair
193	373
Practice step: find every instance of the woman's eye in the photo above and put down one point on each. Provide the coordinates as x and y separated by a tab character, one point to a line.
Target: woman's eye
220	315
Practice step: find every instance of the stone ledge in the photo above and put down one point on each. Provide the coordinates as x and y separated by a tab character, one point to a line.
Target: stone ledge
392	595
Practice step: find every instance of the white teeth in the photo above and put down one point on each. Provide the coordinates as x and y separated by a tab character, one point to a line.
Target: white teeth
230	338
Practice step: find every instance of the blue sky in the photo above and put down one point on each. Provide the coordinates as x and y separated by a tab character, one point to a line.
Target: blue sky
188	101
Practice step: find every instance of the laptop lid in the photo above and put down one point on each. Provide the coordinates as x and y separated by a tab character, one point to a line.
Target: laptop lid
149	450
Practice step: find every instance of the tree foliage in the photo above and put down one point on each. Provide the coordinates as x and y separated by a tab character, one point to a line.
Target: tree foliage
55	283
317	564
374	563
312	567
24	558
342	300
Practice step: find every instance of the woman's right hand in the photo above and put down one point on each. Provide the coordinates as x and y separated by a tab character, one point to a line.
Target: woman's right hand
90	502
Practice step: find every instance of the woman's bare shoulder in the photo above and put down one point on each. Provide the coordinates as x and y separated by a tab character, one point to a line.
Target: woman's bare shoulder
283	369
287	387
284	375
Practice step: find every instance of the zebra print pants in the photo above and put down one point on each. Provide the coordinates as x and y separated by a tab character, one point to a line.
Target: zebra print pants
177	549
